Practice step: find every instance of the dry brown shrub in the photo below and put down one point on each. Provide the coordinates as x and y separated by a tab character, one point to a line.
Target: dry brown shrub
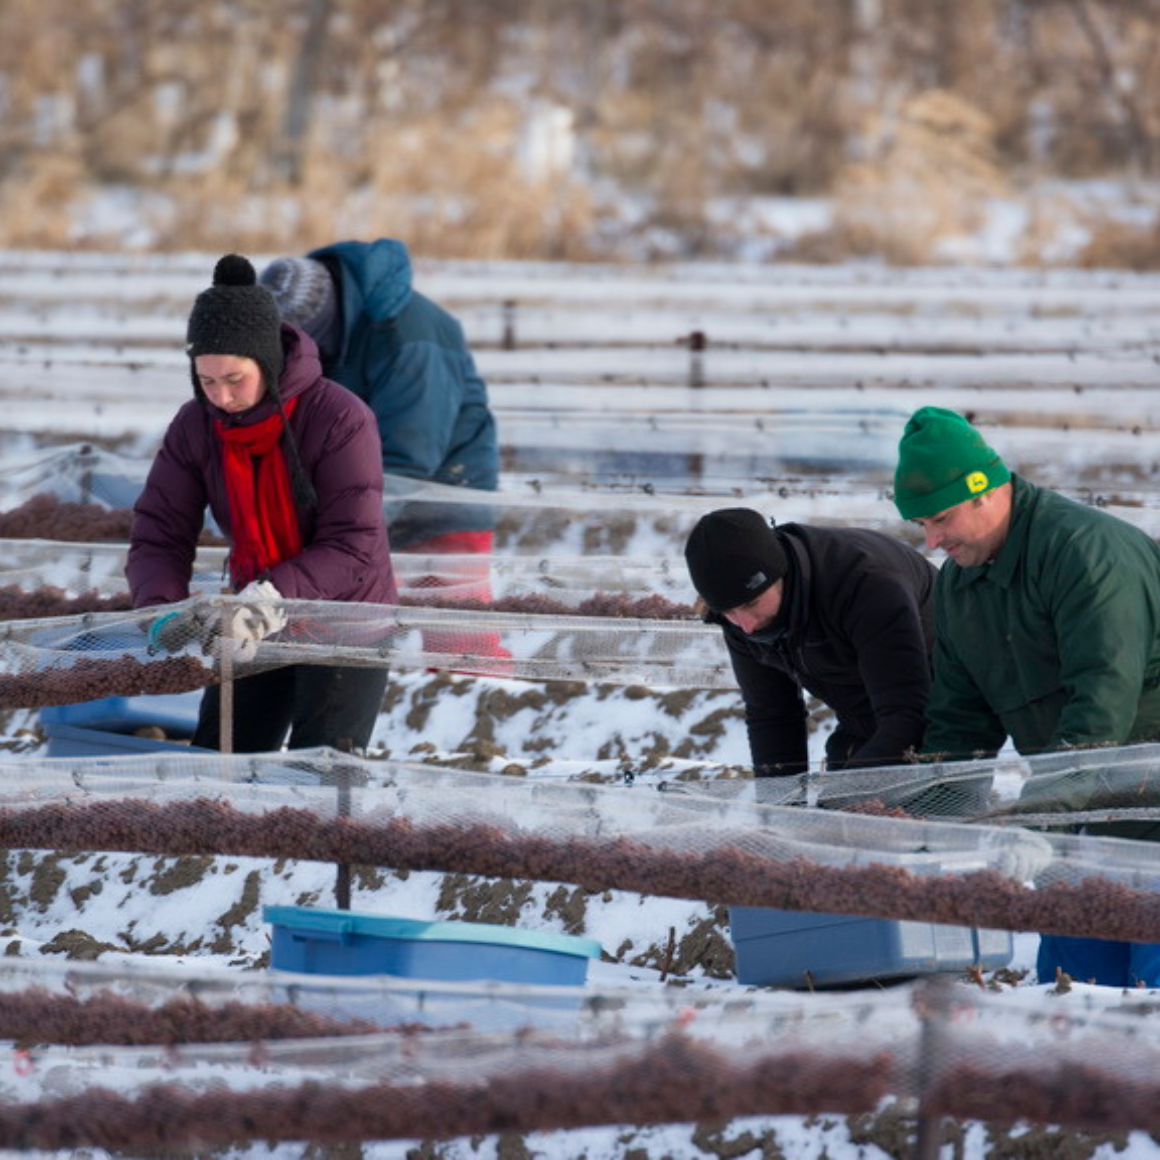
36	202
1050	219
450	189
117	145
1054	220
1121	245
454	187
927	176
214	212
840	242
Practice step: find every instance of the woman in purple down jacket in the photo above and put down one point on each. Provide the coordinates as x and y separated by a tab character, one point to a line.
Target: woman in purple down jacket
290	466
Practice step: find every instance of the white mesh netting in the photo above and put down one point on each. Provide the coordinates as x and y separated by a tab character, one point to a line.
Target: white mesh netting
200	1059
607	457
131	1058
716	842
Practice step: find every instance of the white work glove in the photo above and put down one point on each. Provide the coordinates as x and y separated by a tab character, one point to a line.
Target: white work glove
242	627
1024	857
260	616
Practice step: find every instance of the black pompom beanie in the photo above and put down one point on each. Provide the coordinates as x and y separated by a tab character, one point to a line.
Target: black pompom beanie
733	555
236	316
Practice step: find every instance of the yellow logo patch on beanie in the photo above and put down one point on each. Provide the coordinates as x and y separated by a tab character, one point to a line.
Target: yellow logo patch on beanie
977	481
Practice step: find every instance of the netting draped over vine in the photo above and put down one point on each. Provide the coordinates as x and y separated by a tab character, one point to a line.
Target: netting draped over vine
559	606
668	839
613	443
108	1056
42	577
69	659
81	492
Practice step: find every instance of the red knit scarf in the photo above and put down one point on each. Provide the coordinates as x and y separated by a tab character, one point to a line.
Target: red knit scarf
262	515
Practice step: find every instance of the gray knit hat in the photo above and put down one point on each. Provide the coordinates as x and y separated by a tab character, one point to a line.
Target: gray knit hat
304	291
236	316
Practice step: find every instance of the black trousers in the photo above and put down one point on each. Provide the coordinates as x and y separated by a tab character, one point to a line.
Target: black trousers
318	704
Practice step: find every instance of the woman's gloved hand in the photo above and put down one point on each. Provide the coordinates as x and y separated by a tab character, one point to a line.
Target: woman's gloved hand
260	616
178	629
217	629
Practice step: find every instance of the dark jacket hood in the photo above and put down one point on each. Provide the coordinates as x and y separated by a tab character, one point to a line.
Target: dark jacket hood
374	278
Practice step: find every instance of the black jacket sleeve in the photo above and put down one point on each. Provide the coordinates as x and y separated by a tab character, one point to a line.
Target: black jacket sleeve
886	634
775	714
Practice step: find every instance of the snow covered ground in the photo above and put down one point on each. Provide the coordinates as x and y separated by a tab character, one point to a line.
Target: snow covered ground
616	435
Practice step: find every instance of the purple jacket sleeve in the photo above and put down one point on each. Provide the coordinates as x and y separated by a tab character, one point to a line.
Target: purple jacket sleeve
169	515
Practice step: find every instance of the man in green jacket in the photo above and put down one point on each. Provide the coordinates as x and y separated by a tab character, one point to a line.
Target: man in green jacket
1047	629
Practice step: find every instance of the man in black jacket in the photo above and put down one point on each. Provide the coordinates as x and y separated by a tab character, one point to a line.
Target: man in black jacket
842	613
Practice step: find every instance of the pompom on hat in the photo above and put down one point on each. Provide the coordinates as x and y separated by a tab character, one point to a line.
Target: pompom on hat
237	316
943	461
733	556
304	292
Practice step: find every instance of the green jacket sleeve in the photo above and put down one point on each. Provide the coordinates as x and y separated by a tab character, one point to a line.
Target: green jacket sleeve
960	724
1100	586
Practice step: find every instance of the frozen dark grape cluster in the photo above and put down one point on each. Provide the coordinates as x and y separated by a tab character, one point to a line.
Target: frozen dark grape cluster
48	601
668	1080
1082	1095
90	680
44	517
38	1016
718	873
616	605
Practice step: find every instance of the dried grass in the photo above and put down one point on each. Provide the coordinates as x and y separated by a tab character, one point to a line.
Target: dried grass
416	117
452	190
928	172
37	200
1121	246
454	185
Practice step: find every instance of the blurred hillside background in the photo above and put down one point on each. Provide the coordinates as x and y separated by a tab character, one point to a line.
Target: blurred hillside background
812	130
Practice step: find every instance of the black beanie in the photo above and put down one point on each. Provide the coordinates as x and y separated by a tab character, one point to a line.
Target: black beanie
237	316
733	555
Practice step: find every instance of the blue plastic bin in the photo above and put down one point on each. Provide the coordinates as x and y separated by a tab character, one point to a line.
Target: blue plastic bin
343	942
70	741
176	713
108	724
787	948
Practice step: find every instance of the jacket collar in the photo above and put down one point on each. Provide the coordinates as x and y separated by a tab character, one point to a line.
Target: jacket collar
1002	569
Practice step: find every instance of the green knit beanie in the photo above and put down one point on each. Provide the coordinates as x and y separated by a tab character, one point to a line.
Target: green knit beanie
942	461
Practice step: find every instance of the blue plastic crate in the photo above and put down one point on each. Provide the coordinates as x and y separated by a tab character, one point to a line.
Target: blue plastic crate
786	948
176	713
71	741
108	725
343	942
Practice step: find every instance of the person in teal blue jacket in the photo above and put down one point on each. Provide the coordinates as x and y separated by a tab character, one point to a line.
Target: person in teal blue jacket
1047	632
408	358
